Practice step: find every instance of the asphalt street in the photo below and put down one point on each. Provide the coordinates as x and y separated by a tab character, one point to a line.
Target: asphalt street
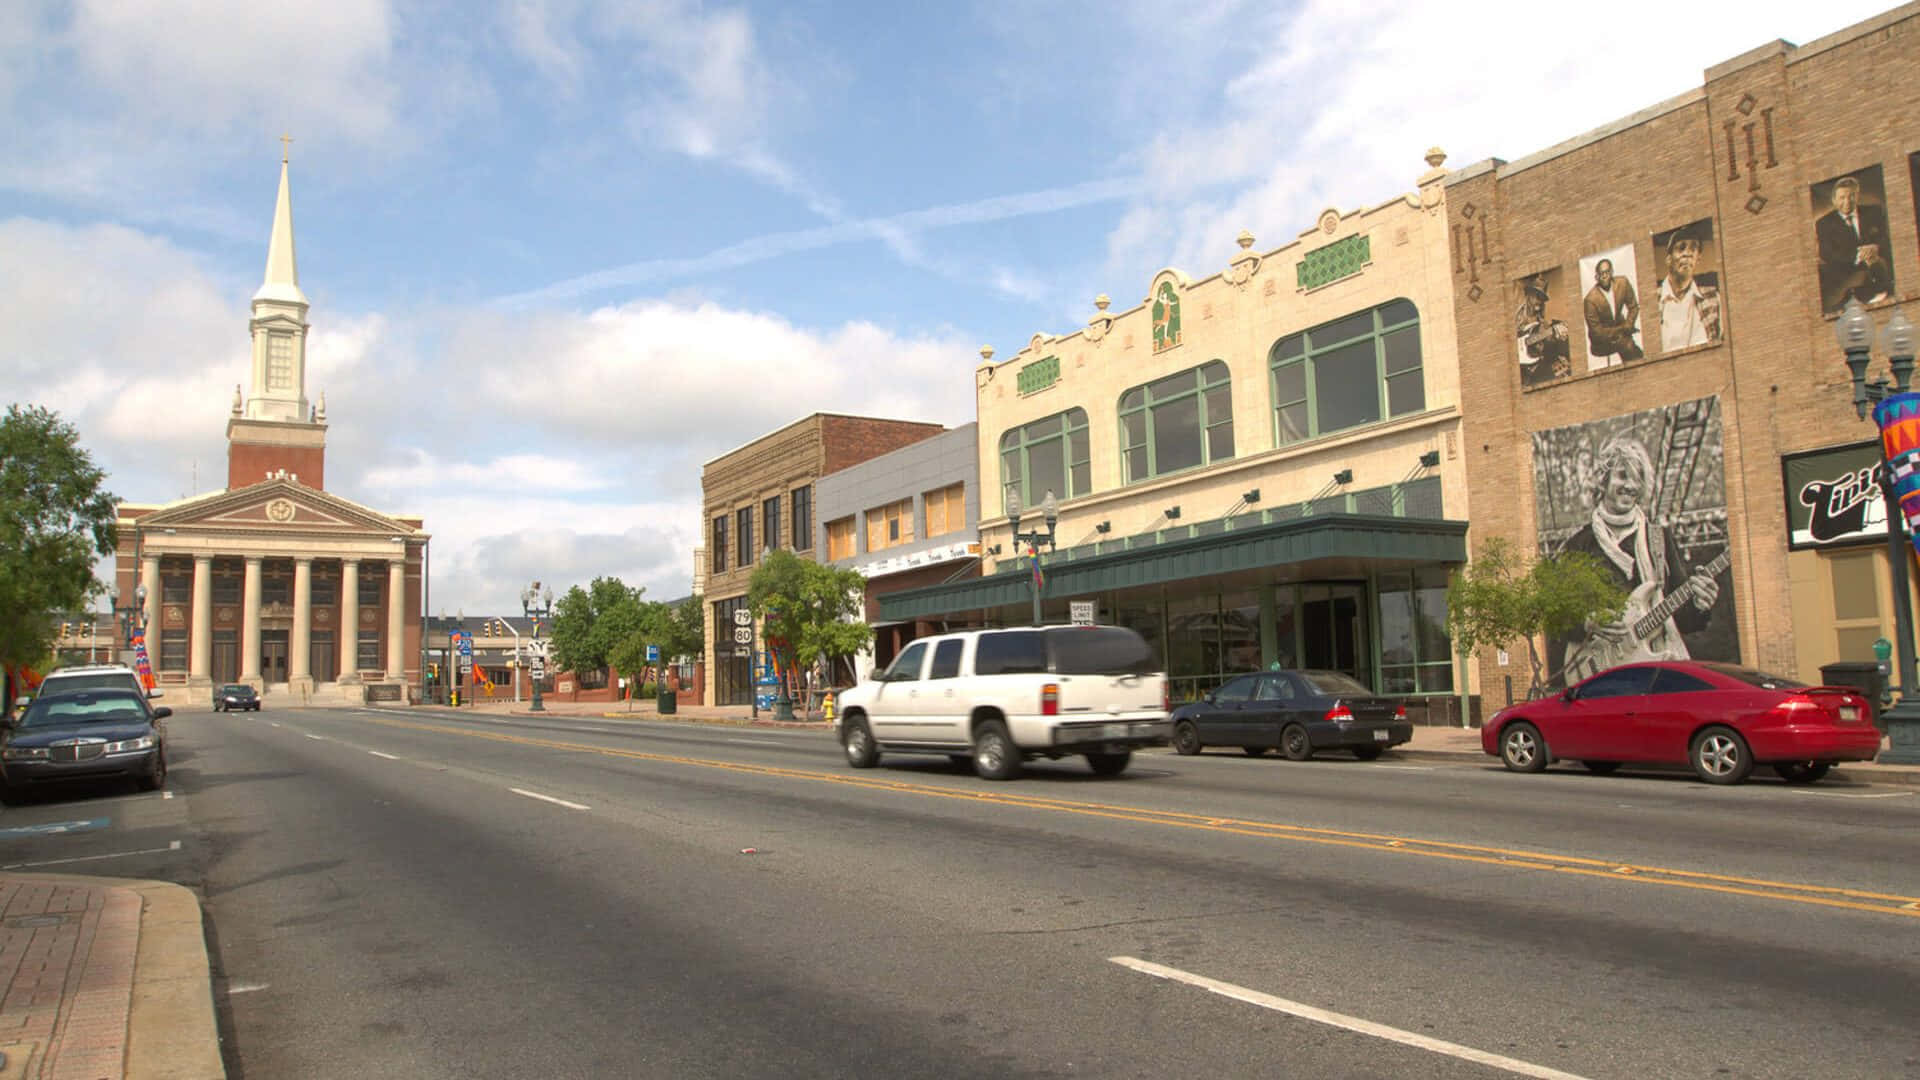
428	895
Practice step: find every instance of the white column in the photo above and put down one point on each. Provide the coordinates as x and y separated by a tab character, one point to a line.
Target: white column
397	619
150	618
200	650
349	619
299	665
250	622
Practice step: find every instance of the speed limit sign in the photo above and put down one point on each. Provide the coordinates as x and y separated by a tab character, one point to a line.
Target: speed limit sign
743	635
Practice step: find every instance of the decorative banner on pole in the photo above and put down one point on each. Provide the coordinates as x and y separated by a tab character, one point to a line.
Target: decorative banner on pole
1899	418
140	660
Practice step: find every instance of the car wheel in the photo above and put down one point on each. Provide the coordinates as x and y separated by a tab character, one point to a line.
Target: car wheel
1186	738
857	741
994	755
1802	772
1522	749
1109	764
1720	756
1367	753
1601	768
216	707
1295	744
1254	751
153	780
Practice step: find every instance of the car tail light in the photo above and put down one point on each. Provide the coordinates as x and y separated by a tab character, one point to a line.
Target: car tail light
1050	699
1340	714
1400	713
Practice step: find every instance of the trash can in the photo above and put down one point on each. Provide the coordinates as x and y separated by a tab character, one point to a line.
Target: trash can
1862	675
666	701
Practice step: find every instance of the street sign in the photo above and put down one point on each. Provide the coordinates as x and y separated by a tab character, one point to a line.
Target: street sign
743	617
741	652
653	654
1082	612
743	635
539	667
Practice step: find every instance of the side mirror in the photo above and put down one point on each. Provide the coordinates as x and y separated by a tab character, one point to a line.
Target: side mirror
162	713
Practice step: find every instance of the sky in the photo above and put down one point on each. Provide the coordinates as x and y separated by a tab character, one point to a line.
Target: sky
562	253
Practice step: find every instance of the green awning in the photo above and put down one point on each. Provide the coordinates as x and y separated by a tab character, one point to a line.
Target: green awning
1346	537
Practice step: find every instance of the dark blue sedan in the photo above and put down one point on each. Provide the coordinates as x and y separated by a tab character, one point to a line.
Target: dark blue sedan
1295	712
84	735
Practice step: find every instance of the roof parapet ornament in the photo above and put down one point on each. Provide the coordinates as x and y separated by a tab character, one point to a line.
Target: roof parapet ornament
320	410
237	406
1244	265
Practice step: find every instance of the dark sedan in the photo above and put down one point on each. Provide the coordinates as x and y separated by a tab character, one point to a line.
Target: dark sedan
235	696
84	735
1721	719
1297	712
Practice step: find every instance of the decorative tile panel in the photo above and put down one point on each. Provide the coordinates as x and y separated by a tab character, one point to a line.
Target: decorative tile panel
1342	258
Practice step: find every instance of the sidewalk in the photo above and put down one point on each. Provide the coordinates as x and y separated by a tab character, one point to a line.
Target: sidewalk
104	978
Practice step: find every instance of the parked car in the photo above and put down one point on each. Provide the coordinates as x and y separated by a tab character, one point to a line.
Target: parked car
996	697
96	677
84	735
1297	712
1721	719
235	696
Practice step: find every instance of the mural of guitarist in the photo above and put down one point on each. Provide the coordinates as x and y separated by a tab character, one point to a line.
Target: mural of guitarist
1616	491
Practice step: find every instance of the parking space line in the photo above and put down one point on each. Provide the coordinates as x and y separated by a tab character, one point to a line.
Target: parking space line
377	753
174	846
1341	1020
1849	795
549	798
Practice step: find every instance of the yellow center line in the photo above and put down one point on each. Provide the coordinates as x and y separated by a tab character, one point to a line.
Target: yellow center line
1608	869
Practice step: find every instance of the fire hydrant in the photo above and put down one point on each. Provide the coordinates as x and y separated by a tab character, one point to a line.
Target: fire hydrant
826	707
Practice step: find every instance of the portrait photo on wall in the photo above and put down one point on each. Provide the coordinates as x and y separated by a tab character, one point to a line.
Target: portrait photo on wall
1611	308
1645	495
1688	310
1850	224
1540	330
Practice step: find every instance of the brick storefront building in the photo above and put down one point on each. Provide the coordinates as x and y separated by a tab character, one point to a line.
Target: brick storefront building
761	496
1646	318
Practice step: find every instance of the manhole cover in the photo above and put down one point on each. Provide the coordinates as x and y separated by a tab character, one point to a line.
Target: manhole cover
32	922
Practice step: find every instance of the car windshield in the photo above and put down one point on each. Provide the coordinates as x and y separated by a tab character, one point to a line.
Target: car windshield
1334	683
236	688
105	680
64	709
1100	650
1752	677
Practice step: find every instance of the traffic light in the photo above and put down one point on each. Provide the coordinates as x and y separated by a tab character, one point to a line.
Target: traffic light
66	631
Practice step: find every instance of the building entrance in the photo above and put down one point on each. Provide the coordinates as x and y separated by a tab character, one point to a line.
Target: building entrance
273	656
1334	631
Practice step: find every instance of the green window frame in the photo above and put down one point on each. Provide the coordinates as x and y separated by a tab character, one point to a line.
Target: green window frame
1416	651
1179	422
1052	453
1353	371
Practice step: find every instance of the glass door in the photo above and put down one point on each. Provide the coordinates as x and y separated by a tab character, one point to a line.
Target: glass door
1334	631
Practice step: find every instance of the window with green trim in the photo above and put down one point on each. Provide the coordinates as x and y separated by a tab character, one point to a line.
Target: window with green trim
1175	423
1346	373
1048	454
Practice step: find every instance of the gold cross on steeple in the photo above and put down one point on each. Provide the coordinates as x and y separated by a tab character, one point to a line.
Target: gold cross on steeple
284	140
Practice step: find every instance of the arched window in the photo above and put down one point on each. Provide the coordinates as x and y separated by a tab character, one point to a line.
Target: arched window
1178	422
1048	454
1349	372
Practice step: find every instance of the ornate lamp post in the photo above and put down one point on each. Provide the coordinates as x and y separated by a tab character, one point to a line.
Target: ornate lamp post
1050	509
538	605
1855	332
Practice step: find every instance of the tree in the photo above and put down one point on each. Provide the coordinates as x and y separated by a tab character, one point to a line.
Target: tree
675	629
811	611
588	623
55	521
1499	597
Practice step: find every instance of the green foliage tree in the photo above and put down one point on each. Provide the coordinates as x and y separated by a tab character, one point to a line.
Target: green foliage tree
1500	597
55	520
588	623
815	610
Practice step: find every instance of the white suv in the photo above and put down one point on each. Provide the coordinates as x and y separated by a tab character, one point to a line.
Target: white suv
995	697
95	677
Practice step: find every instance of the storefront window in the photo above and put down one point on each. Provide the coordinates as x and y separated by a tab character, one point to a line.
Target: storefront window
1416	655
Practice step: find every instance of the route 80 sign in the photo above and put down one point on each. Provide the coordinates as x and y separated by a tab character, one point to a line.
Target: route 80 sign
743	635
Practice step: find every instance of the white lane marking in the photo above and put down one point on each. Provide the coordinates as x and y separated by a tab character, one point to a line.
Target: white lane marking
1845	795
549	798
758	742
315	738
377	753
1408	768
174	846
245	988
1339	1020
275	723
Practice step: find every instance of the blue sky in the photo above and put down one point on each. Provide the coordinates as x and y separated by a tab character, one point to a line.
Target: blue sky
562	252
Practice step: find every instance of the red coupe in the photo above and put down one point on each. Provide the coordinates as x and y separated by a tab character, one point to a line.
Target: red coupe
1722	719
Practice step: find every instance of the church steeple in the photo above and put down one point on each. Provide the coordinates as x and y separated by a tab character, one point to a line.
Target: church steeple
282	281
279	323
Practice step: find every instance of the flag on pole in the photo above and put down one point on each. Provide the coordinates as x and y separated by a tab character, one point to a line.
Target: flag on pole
1039	578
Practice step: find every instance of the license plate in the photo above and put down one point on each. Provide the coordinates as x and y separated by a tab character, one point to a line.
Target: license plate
1113	731
1850	713
1379	736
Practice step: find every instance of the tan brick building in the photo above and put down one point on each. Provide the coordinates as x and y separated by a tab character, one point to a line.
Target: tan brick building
760	496
1646	342
1259	465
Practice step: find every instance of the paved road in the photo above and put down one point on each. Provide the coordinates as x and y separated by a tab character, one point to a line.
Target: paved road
425	895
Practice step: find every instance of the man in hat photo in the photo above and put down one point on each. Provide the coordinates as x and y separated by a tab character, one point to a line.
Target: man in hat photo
1689	306
1544	348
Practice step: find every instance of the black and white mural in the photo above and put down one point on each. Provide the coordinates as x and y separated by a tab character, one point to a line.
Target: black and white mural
1540	329
1644	493
1611	307
1688	308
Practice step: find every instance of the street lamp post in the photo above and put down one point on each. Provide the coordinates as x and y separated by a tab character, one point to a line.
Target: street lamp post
1050	510
537	602
1855	332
